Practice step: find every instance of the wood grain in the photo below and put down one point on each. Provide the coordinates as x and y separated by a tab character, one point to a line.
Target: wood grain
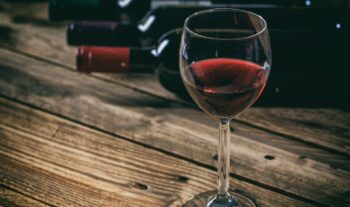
158	124
29	31
10	198
66	164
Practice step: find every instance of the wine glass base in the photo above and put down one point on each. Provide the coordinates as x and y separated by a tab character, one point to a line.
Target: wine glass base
209	199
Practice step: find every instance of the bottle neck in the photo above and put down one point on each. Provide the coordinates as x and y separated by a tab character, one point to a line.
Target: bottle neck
105	33
142	59
83	9
115	59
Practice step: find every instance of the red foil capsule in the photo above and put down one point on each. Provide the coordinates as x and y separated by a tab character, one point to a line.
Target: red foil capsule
103	59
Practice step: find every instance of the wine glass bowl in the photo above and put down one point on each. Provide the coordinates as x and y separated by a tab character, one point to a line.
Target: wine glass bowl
225	61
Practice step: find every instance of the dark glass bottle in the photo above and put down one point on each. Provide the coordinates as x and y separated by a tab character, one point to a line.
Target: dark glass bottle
264	3
161	58
117	10
163	19
288	3
301	70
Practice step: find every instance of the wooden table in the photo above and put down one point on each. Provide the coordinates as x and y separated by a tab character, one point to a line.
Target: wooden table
71	139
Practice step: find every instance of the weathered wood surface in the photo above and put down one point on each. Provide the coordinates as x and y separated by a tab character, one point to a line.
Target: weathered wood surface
300	153
159	124
10	198
70	164
27	29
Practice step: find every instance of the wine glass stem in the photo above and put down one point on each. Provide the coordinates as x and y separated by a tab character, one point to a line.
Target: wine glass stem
223	158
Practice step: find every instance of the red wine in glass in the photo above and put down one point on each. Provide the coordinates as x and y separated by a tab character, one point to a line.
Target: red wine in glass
225	60
224	87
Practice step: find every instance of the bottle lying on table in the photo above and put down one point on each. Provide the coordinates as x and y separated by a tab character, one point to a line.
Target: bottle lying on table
300	77
114	9
97	10
162	19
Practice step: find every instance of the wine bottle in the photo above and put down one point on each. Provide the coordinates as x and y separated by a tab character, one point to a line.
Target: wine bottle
118	10
130	59
288	3
301	73
160	58
145	33
113	10
163	19
302	50
265	3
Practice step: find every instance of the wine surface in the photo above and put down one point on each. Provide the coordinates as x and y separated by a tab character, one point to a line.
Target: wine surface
224	87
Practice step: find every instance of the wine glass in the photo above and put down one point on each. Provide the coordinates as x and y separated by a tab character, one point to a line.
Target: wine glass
225	60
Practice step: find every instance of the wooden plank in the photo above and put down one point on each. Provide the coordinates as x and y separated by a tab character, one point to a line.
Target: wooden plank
10	198
320	125
28	41
152	122
66	54
75	165
28	30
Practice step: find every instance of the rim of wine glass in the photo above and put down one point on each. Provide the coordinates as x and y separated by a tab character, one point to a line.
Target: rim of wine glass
225	9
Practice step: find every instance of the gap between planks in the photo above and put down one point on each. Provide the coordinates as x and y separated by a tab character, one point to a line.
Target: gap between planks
12	197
